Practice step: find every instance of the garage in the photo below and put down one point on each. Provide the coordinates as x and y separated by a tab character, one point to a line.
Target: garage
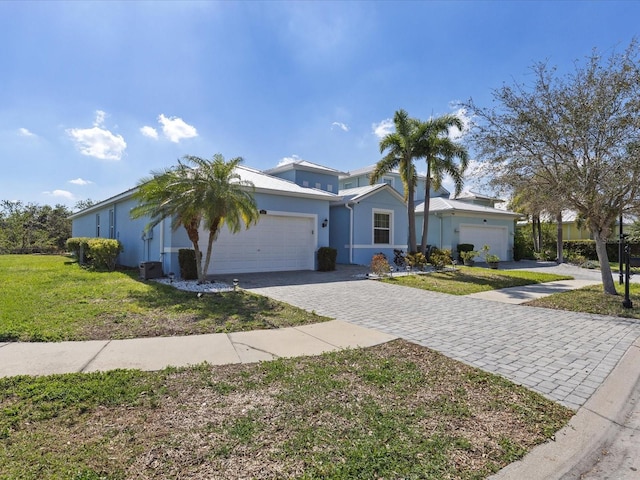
275	243
479	235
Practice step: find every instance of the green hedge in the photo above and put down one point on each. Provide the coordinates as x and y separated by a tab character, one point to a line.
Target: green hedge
327	259
587	249
464	247
98	252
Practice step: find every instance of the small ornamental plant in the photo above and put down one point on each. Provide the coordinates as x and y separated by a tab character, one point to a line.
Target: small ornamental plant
468	257
440	258
491	259
380	266
416	260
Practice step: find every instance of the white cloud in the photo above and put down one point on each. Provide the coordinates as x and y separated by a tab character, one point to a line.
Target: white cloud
24	132
97	141
80	181
461	113
383	128
291	159
342	126
175	129
149	132
61	194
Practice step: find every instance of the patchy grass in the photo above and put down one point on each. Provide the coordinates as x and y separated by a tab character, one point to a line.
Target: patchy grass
593	300
393	411
467	280
52	298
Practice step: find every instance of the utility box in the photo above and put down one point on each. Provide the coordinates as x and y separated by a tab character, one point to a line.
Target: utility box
149	270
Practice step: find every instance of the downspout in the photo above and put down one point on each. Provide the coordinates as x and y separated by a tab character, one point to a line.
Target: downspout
162	244
440	217
350	233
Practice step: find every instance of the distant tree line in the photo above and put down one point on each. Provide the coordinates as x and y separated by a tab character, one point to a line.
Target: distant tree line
32	228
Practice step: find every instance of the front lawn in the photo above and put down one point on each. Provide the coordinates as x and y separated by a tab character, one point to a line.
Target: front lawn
397	410
52	298
467	280
593	300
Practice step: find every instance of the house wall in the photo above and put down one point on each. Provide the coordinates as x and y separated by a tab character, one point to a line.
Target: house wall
444	229
328	182
163	244
363	246
363	181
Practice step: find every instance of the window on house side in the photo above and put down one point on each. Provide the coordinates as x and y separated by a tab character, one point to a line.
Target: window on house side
305	183
388	181
112	224
348	185
318	186
381	228
329	187
97	225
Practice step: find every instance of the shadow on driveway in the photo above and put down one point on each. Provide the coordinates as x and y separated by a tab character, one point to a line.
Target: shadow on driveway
342	273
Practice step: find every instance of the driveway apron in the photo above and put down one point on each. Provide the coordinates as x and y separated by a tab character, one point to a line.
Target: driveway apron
565	356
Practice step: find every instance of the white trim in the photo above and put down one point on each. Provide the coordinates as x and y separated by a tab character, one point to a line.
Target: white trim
378	245
373	228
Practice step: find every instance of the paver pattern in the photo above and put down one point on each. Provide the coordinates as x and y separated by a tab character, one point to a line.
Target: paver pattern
563	355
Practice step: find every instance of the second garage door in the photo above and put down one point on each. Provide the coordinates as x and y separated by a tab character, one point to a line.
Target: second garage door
479	235
276	243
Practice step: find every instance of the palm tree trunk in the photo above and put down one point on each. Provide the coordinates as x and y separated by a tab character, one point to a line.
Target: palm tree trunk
213	233
559	257
411	214
425	215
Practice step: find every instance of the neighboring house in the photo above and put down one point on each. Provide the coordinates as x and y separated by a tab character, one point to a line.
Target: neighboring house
452	222
292	226
575	228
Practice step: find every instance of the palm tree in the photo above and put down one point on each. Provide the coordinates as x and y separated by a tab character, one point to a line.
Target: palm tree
402	150
440	153
198	192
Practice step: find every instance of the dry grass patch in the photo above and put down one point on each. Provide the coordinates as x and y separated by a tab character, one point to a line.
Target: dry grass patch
397	410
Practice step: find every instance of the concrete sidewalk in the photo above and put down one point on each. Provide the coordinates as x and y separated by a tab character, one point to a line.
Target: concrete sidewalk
517	295
157	353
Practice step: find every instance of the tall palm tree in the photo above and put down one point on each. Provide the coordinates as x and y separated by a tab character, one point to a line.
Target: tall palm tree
198	192
440	153
402	147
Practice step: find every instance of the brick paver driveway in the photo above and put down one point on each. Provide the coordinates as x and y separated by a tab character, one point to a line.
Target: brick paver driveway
562	355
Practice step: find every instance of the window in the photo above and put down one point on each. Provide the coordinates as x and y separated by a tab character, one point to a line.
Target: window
329	187
388	181
112	224
318	186
381	227
305	183
97	225
348	185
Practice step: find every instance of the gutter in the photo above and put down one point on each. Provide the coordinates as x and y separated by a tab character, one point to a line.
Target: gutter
350	232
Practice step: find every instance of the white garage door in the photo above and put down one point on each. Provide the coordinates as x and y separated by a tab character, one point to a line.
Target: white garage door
276	243
479	235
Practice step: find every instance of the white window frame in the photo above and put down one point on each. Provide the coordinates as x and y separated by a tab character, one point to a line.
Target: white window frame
112	223
374	228
329	187
348	185
388	181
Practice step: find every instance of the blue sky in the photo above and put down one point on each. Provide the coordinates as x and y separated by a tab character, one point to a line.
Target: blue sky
95	95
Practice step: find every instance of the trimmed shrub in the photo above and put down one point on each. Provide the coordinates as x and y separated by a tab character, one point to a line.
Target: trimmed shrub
440	258
187	262
104	252
327	259
463	247
97	252
416	260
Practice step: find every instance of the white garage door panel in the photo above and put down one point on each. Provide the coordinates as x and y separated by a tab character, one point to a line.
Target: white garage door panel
276	243
495	237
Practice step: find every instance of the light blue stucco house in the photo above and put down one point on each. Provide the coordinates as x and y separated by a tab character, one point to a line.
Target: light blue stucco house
304	206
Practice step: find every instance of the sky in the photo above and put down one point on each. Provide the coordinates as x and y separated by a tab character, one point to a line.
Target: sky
94	96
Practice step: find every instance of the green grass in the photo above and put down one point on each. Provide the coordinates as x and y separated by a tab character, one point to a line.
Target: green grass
467	280
397	410
592	299
52	298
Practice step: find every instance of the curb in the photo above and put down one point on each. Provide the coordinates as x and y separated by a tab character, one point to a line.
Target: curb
577	446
